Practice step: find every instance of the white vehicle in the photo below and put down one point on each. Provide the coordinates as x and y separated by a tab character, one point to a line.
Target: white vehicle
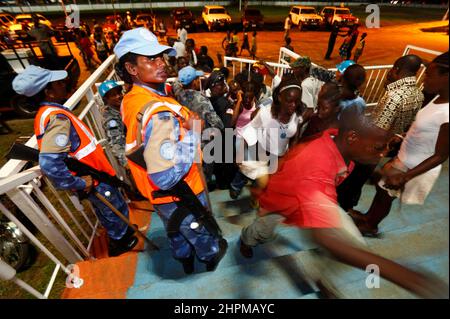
305	17
28	19
215	17
338	16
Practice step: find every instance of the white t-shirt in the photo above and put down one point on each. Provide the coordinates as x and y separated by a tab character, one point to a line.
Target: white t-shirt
180	48
287	23
420	141
310	91
272	135
182	35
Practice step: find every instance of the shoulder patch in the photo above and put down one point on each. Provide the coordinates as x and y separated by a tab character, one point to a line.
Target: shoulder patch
113	124
61	140
167	150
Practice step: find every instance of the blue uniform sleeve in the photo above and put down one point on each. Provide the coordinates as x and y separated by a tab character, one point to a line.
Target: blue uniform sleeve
184	153
53	166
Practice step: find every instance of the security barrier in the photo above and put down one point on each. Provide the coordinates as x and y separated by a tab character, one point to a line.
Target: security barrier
65	223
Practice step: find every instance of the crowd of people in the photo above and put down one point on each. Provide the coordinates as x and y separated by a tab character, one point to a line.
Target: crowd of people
305	145
101	39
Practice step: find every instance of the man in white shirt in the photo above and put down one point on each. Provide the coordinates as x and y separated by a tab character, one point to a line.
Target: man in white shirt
310	85
179	47
182	35
287	26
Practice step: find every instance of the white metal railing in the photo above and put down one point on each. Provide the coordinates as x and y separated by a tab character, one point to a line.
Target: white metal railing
373	88
70	231
279	68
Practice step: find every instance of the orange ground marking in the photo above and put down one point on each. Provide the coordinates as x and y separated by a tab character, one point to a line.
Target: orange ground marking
110	277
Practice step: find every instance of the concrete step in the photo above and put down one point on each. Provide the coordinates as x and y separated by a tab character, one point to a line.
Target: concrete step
278	277
415	236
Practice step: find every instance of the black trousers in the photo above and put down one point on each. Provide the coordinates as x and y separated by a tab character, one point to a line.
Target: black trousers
349	191
331	43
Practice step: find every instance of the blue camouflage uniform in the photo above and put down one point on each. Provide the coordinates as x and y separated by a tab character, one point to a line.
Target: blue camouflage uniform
182	153
51	160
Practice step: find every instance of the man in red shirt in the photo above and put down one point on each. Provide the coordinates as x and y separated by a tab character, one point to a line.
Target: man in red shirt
303	193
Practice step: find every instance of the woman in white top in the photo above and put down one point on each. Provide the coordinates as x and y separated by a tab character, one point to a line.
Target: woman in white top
411	175
267	135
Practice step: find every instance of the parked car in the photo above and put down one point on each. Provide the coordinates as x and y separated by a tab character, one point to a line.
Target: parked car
215	17
6	19
305	17
338	15
252	18
183	17
145	18
24	21
14	61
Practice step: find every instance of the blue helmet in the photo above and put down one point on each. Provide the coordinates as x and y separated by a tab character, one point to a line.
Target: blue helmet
107	86
344	65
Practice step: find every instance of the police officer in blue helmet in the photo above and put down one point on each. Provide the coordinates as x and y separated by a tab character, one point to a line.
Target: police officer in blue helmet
60	134
112	95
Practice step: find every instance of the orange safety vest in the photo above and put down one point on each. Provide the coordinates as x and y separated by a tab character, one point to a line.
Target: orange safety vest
89	152
133	103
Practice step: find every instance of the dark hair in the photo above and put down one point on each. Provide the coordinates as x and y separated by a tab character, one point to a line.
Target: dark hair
241	78
354	118
190	42
204	49
441	62
276	106
288	40
120	67
39	97
332	91
225	72
408	64
354	76
258	79
249	86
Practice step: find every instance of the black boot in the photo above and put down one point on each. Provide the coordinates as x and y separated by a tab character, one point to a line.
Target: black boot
117	247
245	250
126	243
212	264
188	264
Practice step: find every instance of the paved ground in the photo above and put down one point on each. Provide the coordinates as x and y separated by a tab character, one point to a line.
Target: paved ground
383	45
